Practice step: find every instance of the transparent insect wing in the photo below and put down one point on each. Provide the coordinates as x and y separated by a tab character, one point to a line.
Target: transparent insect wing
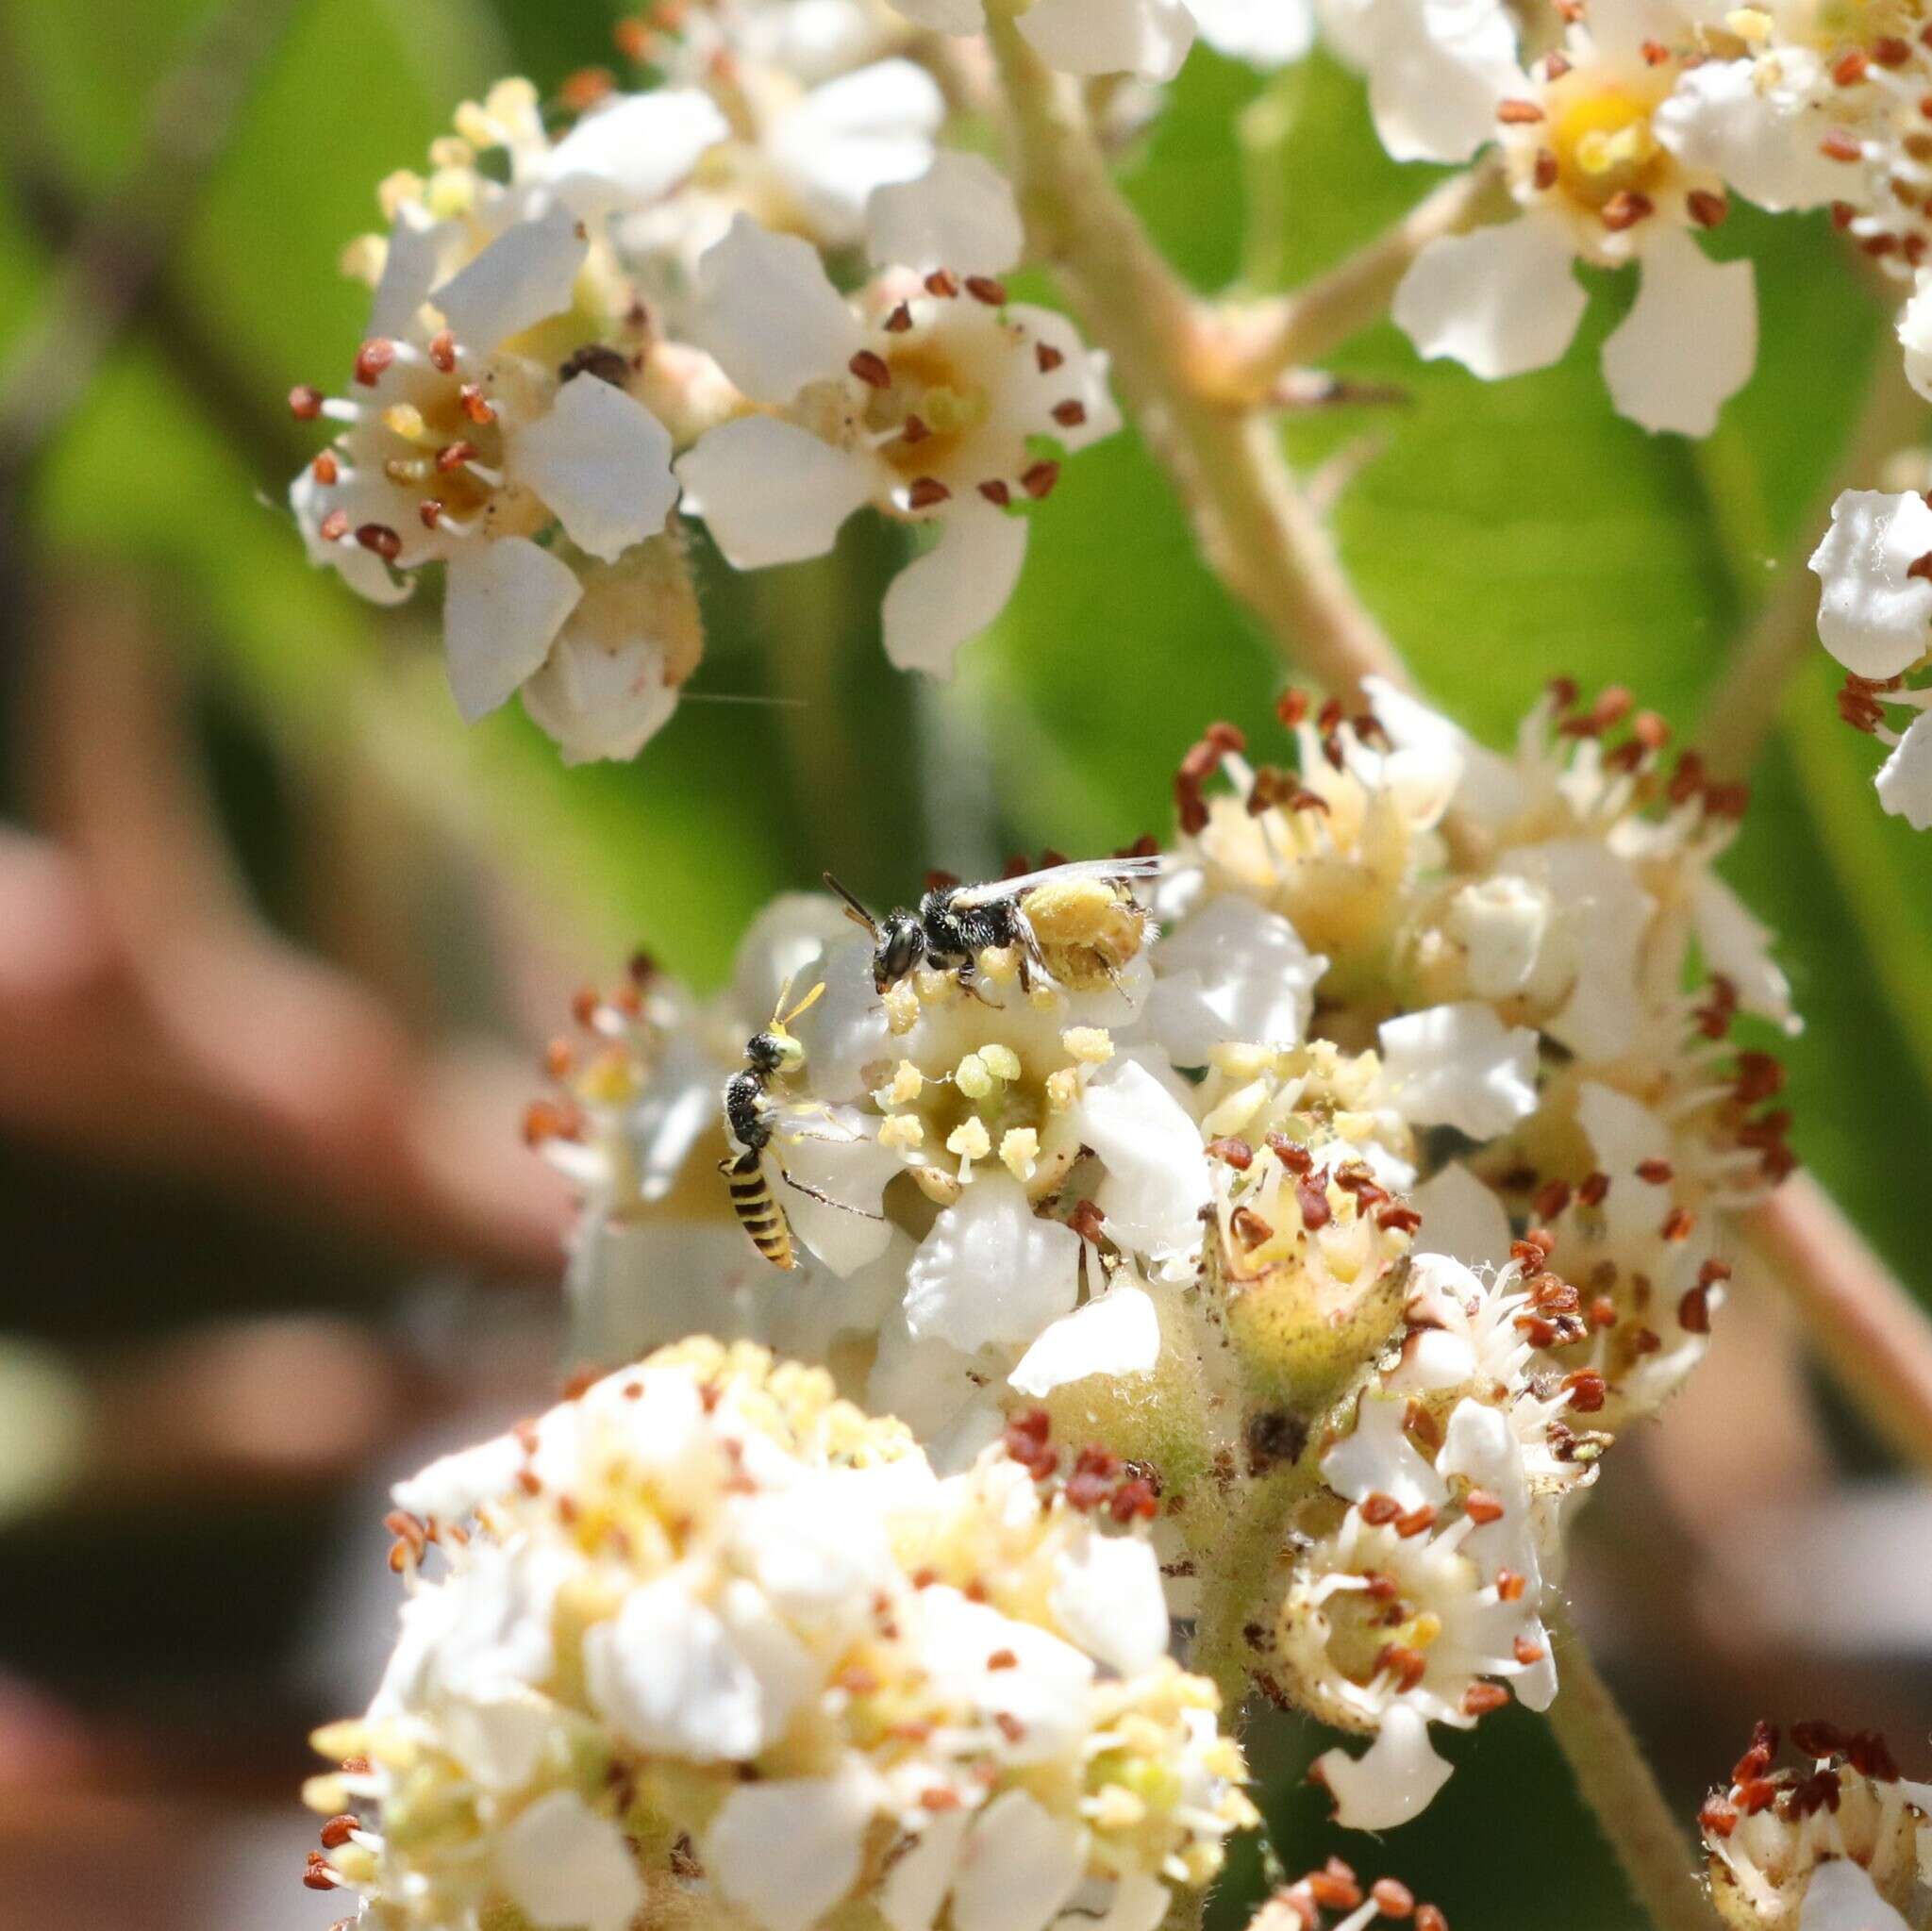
968	897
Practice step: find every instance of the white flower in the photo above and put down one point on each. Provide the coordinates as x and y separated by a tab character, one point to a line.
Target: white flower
1587	159
763	1627
1232	973
460	449
929	396
1412	1609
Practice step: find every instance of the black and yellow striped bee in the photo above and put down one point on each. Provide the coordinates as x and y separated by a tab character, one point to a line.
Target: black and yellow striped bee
770	1056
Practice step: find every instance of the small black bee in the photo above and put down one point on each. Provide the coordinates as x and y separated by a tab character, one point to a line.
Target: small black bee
955	923
770	1056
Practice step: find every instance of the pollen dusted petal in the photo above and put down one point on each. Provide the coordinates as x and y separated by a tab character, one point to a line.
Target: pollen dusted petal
1148	39
955	590
1500	301
960	214
770	492
602	461
504	604
526	274
1688	341
1874	614
769	314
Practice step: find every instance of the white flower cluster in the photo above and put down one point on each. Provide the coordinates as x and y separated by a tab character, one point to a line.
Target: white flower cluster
556	317
712	1647
1622	132
1419	1563
1342	1029
1843	1843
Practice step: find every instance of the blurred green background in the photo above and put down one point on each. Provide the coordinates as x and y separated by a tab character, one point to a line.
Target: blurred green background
278	937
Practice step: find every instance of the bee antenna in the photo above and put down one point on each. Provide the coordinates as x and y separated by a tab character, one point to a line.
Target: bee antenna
804	1006
854	911
778	1009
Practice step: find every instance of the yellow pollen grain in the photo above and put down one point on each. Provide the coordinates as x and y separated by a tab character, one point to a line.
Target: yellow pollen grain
1113	1807
973	1077
1091	1045
1000	963
901	1006
364	258
970	1140
1749	24
1062	1089
1423	1631
1239	1061
902	1132
405	418
394	190
907	1084
1020	1151
1000	1061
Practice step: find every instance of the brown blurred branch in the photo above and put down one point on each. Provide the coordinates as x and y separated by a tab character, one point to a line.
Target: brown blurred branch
1873	1337
146	1013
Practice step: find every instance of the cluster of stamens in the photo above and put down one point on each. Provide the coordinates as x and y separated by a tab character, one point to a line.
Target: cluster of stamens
1098	1482
1304	1904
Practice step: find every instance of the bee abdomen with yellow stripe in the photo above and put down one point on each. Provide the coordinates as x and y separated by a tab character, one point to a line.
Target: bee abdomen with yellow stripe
758	1209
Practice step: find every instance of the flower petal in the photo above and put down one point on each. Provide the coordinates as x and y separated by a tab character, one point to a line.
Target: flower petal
1393	1780
1904	779
787	1851
830	1153
770	492
1501	301
992	1271
1717	117
1234	972
635	149
918	1881
1738	946
1019	1866
1436	69
597	702
1690	341
602	461
960	214
411	266
526	273
567	1869
1264	33
1874	614
945	16
1842	1897
1461	1218
1146	38
1157	1179
955	590
769	315
666	1675
855	135
1459	1066
1117	1333
504	604
1108	1596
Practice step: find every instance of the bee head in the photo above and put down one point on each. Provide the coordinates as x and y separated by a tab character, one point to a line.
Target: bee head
902	943
773	1052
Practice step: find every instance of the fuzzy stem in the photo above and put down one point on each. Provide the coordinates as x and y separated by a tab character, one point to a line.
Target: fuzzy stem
1617	1783
1875	1339
1743	710
1261	342
1258	531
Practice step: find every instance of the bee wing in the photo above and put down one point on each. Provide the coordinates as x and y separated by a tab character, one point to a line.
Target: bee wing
970	896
